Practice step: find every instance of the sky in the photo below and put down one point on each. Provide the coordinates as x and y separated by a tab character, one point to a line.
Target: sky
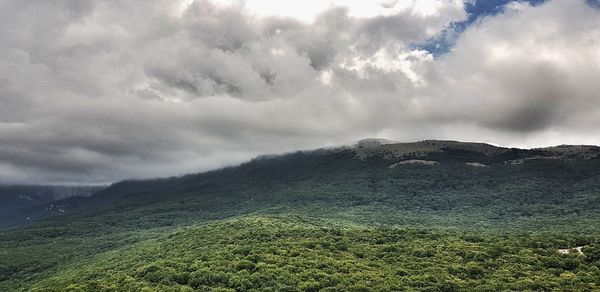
103	90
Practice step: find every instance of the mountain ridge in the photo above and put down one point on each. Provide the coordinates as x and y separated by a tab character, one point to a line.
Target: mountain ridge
374	155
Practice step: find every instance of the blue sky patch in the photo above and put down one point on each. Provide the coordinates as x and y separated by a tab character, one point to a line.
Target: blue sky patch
477	9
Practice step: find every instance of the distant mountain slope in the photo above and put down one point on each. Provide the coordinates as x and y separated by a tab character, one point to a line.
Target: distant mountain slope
446	178
14	197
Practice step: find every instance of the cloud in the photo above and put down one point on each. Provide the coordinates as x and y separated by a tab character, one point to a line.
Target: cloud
526	70
107	90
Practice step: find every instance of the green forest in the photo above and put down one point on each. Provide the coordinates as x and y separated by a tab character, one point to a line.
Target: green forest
323	221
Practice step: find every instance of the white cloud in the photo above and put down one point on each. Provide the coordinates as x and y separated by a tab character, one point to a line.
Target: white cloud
308	10
525	70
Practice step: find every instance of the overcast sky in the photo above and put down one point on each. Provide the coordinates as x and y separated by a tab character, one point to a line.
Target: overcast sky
103	90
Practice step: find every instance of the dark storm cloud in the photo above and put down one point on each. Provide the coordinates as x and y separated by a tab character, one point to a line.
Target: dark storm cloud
96	91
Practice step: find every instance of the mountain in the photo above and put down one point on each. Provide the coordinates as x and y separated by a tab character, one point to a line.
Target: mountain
447	177
474	216
15	197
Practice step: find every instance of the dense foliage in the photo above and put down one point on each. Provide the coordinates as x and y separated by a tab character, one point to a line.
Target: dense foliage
323	221
304	254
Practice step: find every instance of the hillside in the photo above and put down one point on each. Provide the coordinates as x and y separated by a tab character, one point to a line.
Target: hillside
481	216
442	178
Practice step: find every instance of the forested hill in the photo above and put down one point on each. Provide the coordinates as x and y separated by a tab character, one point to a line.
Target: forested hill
449	182
378	215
